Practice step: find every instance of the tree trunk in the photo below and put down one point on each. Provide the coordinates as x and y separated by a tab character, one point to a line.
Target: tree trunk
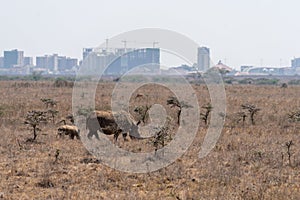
178	116
34	133
252	119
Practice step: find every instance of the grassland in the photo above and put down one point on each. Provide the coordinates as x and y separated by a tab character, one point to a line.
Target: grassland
248	162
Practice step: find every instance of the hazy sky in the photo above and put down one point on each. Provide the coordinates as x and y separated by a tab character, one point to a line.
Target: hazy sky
244	32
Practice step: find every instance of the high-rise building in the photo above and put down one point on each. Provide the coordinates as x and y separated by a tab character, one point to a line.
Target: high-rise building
56	63
203	63
47	62
41	61
134	58
121	60
86	52
28	61
66	63
296	62
13	58
1	62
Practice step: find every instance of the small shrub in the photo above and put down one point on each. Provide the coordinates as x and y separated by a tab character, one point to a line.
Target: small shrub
45	183
266	81
162	137
252	109
294	82
84	111
33	119
49	102
294	116
173	101
1	111
204	116
246	81
284	85
61	82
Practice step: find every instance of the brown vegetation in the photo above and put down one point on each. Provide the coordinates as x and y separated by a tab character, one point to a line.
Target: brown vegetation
258	160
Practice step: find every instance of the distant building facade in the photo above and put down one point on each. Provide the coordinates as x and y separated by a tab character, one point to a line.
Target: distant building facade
134	58
86	52
66	63
1	62
49	62
121	60
28	61
56	63
245	68
203	59
13	58
296	63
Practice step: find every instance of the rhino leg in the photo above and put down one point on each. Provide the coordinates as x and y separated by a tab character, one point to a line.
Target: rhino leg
124	136
117	133
91	133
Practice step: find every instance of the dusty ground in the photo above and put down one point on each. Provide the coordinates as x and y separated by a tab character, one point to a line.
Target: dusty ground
248	162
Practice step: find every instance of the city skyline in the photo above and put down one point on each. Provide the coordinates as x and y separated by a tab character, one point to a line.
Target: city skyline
264	33
202	51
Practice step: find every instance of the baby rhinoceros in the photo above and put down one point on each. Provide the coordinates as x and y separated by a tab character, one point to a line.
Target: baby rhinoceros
70	130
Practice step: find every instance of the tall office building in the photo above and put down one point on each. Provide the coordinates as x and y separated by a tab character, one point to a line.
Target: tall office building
13	58
56	63
120	60
47	62
86	52
203	63
134	58
66	63
28	61
1	62
296	62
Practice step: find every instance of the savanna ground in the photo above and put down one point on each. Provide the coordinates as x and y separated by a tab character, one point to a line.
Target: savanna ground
248	162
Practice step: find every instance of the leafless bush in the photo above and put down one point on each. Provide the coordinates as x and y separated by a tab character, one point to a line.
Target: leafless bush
241	117
49	102
294	116
252	109
63	83
33	119
284	85
53	113
162	137
204	116
289	153
57	153
173	101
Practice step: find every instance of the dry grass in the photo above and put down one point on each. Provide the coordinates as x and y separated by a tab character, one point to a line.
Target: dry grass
249	161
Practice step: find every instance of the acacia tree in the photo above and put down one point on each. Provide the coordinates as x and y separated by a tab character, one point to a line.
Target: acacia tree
33	119
241	117
161	137
173	101
288	146
53	113
204	116
252	109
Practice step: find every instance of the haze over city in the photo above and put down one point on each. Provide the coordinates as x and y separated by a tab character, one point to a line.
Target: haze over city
259	32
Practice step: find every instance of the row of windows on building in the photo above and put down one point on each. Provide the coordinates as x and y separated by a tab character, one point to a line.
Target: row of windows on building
120	60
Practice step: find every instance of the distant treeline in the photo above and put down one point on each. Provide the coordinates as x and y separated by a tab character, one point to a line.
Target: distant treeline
261	81
35	77
65	80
